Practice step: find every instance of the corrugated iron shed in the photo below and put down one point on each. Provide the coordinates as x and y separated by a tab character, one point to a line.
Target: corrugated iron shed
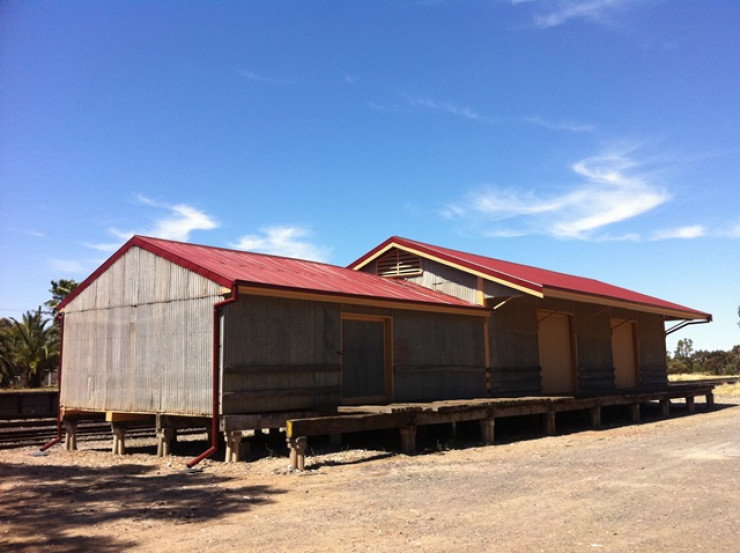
533	280
234	268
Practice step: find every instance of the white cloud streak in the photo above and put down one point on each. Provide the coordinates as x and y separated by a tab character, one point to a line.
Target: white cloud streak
566	126
250	75
447	107
611	191
600	11
179	221
685	233
286	241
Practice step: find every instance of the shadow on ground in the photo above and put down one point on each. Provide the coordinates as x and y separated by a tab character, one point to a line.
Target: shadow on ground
54	508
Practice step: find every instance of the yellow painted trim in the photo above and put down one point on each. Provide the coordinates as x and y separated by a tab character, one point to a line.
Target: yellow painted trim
481	295
114	416
387	304
479	274
486	344
633	306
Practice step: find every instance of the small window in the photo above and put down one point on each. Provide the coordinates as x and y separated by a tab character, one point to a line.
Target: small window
397	263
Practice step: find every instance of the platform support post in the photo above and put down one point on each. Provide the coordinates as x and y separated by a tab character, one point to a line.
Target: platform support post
165	438
298	448
119	438
408	439
665	407
550	426
709	398
236	449
70	440
487	428
595	413
635	412
691	404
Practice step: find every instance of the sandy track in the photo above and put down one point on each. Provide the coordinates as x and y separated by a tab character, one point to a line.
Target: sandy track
664	485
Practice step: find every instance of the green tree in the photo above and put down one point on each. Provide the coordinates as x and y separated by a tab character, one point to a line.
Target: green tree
7	368
59	290
29	348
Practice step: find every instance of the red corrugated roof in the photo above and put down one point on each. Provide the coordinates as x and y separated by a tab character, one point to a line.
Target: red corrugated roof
533	279
231	268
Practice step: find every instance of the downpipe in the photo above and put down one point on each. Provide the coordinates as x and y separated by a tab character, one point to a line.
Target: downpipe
216	376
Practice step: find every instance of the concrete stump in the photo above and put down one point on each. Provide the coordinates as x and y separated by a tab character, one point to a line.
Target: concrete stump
70	440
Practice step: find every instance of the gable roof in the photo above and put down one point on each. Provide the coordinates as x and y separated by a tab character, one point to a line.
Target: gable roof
535	281
273	275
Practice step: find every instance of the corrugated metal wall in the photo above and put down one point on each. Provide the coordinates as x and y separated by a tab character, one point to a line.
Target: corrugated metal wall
280	354
438	357
651	350
515	361
139	339
592	326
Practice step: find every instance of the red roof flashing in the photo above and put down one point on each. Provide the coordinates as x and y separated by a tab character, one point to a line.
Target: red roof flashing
231	268
530	278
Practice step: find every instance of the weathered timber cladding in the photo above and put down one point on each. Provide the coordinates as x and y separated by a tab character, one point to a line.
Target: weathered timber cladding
595	363
514	351
496	290
437	356
280	354
448	280
651	350
139	339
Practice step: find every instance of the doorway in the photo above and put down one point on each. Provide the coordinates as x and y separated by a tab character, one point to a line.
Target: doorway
624	354
365	359
556	353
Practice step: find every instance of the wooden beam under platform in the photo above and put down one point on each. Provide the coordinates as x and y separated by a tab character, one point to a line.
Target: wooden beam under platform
406	417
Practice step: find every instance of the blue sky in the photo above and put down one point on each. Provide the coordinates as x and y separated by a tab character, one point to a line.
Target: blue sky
599	138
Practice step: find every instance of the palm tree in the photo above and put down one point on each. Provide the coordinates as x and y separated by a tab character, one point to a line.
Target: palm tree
7	368
60	289
30	348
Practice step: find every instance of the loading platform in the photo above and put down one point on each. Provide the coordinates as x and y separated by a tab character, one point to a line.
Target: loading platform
407	417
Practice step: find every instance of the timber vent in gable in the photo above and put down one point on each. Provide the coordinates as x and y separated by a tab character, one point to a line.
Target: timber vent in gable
398	263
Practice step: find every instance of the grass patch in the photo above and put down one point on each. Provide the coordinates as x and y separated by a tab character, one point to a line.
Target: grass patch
728	390
690	377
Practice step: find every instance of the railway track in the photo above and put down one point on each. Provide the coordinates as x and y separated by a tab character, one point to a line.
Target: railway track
22	433
30	432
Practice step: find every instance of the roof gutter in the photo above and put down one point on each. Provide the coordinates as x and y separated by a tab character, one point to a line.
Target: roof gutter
688	322
216	375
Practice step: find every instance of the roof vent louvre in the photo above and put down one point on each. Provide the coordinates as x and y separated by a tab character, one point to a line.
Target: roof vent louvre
398	263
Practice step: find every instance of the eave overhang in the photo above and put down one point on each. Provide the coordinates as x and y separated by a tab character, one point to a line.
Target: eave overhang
351	299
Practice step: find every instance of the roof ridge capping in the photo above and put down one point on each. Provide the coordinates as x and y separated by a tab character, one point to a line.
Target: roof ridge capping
534	280
231	268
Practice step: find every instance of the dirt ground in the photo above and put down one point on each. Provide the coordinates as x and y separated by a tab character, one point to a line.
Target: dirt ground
662	485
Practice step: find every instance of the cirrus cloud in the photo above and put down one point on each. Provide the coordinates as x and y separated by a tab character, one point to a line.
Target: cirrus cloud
285	241
174	222
611	189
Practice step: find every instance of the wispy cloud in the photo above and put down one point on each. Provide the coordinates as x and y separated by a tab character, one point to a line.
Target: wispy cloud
449	108
685	233
252	76
566	126
612	188
176	222
286	241
599	11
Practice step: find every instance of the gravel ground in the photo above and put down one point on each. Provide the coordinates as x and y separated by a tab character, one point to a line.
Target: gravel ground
662	485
